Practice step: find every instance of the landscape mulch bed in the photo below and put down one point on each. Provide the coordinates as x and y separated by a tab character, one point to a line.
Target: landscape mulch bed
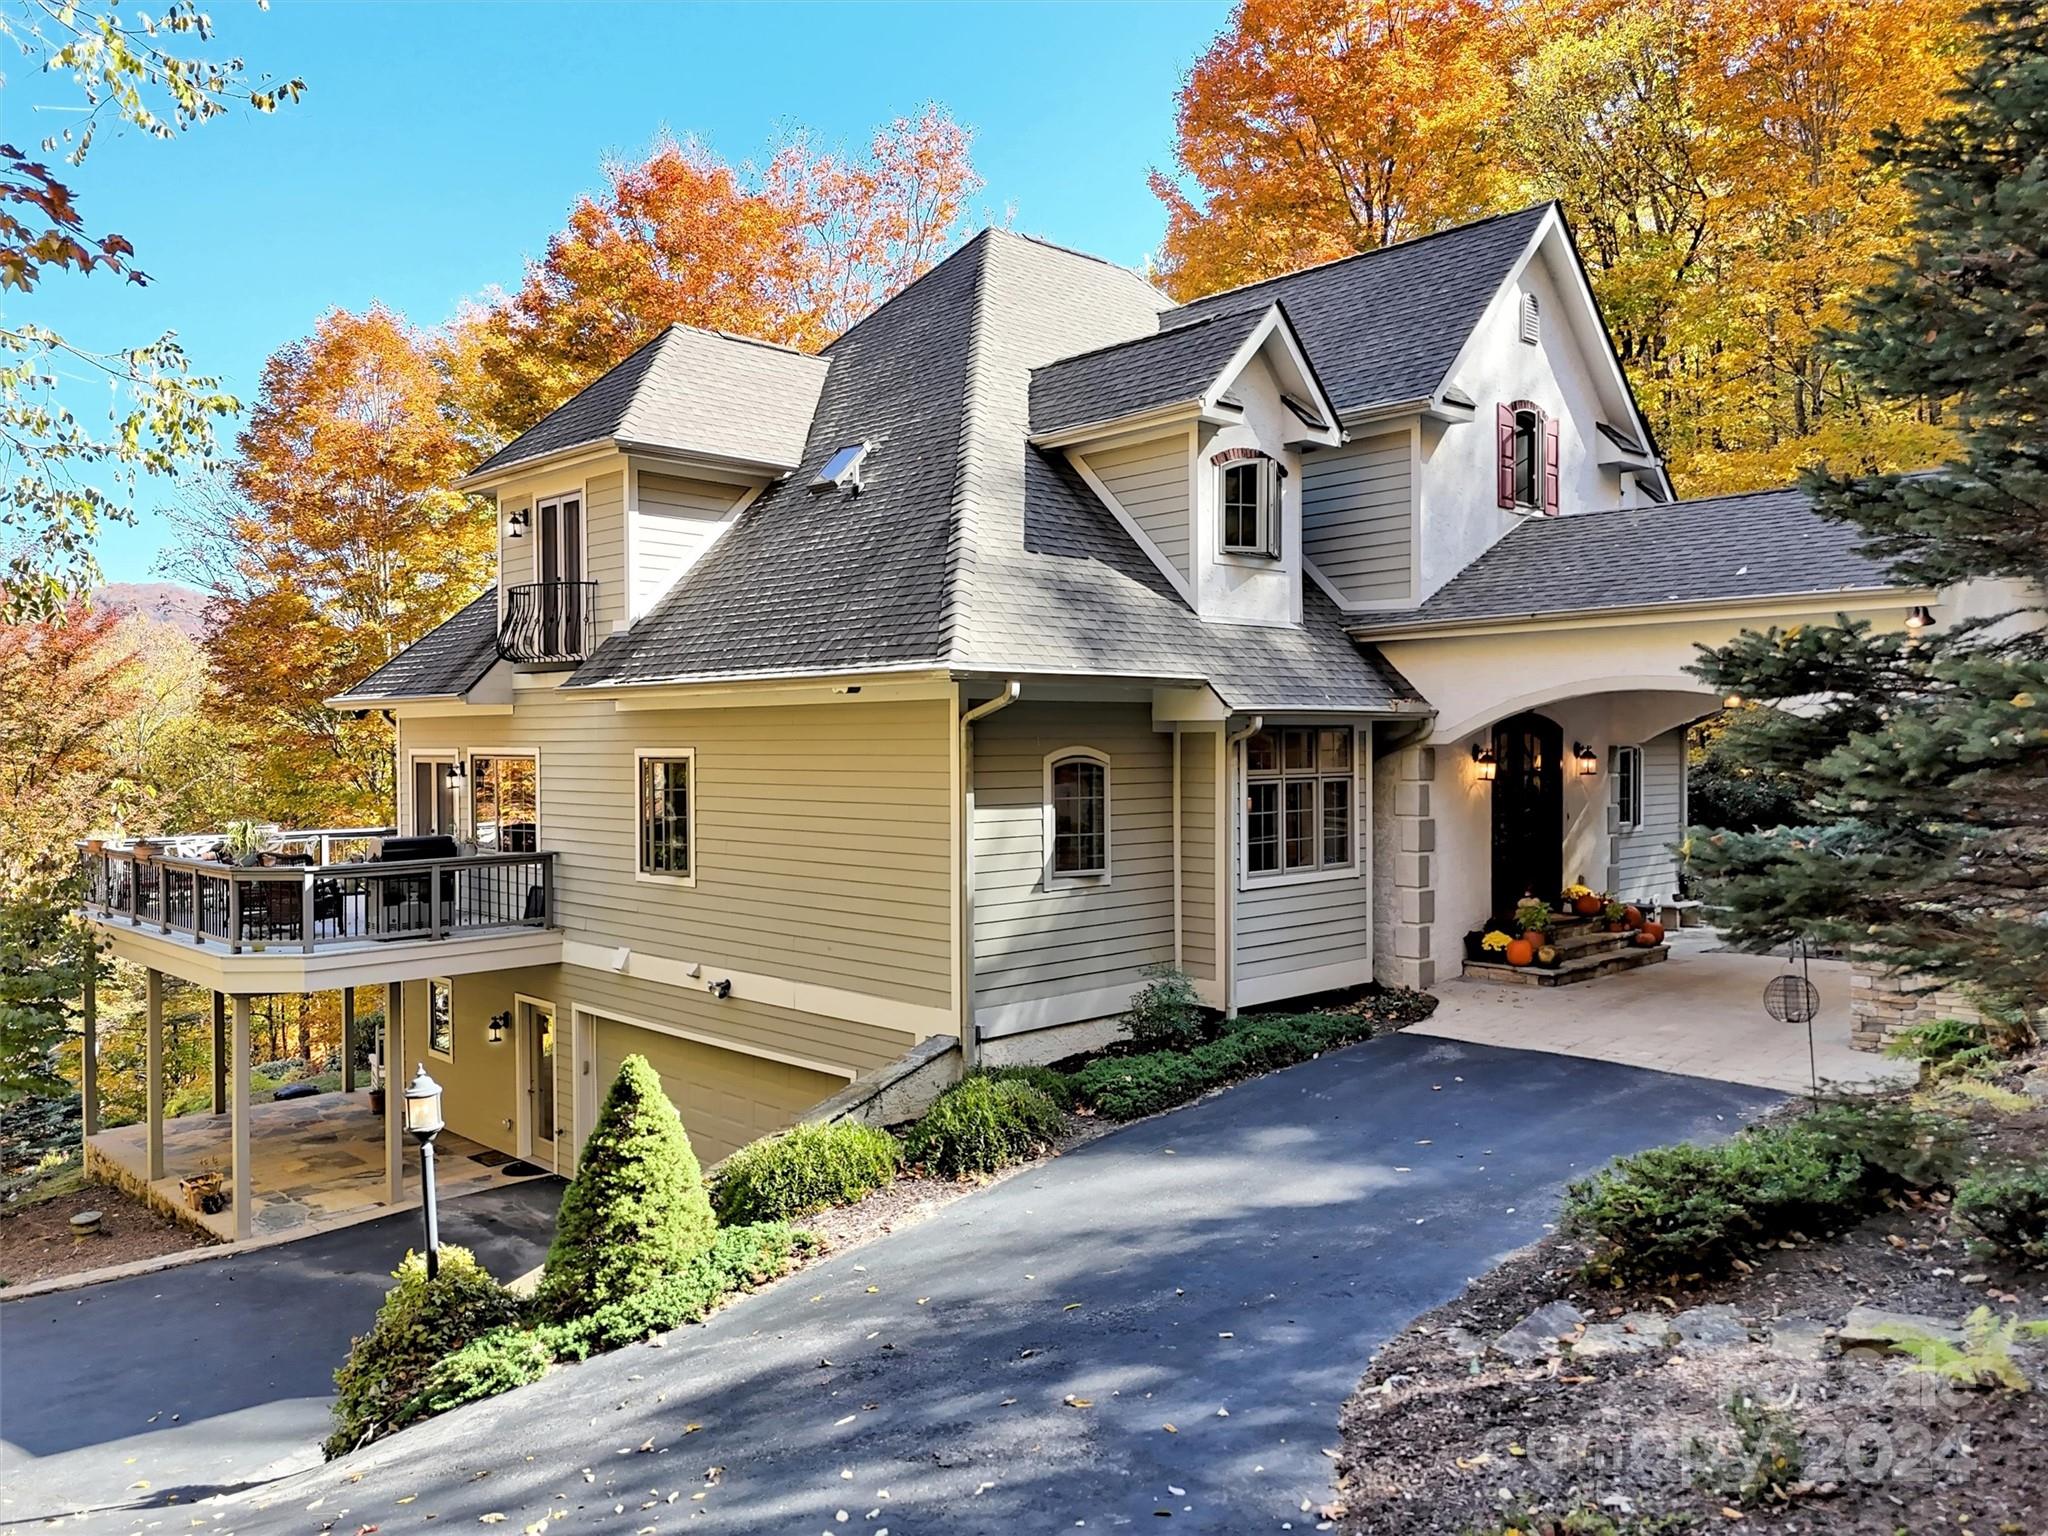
36	1241
1438	1440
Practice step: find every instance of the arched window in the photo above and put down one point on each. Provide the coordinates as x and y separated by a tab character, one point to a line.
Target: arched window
1076	815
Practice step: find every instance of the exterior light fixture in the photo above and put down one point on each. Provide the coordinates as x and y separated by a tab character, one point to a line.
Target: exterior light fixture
456	774
515	524
1484	763
495	1031
1919	617
1733	701
423	1119
1583	755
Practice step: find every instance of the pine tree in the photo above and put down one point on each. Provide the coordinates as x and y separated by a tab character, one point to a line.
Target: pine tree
1922	760
637	1210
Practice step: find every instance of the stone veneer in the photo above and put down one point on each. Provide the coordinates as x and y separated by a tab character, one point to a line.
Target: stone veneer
1414	870
1885	1004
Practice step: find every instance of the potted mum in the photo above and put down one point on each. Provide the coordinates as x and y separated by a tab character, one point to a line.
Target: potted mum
1583	899
1533	918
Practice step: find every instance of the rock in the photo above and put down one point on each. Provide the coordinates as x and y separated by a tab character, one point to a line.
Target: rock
1714	1327
1602	1340
1876	1327
2036	1086
1463	1342
85	1223
1536	1336
1797	1338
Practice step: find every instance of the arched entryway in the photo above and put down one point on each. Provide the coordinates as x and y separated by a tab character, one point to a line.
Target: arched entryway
1528	809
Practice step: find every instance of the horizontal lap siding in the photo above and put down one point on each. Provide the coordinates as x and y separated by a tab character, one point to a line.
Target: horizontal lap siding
1299	927
604	557
1645	862
678	517
823	845
1198	754
1150	482
1031	942
1357	517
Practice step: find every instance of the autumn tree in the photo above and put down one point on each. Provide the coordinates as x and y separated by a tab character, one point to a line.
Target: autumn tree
792	253
337	542
59	480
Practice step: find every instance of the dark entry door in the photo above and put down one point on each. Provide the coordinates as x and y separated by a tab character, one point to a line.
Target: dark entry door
1528	810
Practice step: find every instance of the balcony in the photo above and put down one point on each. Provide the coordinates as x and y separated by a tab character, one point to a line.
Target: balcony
314	891
549	622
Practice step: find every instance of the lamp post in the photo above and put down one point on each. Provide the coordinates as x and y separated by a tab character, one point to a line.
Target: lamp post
423	1119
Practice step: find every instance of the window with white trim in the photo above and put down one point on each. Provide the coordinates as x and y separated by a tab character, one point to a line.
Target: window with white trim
504	802
1248	492
1077	815
441	1019
1628	786
667	799
1300	804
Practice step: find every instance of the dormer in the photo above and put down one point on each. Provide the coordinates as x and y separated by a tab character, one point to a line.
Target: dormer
611	497
1193	440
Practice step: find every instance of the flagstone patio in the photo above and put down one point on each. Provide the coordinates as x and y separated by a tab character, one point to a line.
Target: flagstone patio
316	1163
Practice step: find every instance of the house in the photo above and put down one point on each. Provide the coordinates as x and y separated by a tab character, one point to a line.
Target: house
1036	633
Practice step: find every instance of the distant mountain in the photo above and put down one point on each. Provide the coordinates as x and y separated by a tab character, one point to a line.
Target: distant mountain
181	607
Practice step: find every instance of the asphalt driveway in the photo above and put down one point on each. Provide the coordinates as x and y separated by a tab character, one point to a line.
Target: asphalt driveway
216	1375
1165	1321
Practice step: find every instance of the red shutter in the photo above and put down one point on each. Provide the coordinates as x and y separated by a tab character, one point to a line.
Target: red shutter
1506	430
1550	467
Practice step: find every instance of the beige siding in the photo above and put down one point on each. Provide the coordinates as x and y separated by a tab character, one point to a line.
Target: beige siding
1199	753
1150	482
1644	861
1282	927
1031	942
604	547
822	834
678	518
1358	517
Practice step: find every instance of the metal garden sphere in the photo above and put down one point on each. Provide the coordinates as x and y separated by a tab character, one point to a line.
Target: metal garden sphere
1791	999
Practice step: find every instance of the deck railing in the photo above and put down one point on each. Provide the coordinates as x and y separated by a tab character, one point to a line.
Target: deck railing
549	621
176	887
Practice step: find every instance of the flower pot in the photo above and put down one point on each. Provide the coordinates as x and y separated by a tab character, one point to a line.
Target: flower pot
1588	906
204	1193
1521	952
376	1101
1535	936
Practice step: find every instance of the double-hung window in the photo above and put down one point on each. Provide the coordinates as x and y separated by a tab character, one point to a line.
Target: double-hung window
1301	789
668	808
1628	787
1077	815
1249	490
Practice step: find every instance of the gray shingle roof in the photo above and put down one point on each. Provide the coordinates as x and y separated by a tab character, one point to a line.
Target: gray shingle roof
1763	544
1128	377
1384	327
445	662
687	391
968	548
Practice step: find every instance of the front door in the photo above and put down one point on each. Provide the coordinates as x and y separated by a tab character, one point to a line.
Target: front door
1528	811
537	1079
561	572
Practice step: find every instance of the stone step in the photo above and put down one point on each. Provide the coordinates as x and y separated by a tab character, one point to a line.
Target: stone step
1588	941
1584	967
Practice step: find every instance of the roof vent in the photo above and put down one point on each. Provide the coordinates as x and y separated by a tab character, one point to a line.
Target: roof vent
842	470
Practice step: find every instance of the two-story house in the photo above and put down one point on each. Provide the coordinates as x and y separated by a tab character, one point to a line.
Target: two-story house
1036	633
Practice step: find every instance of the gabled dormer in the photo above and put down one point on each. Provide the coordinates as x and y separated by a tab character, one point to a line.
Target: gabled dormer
1193	439
610	498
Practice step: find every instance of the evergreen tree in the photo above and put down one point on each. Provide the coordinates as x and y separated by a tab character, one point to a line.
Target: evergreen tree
637	1210
1922	761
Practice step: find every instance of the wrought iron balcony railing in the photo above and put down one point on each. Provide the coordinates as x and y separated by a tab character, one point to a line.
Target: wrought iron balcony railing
549	621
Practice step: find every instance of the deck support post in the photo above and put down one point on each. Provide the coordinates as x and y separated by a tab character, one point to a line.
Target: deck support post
394	1093
245	1182
153	1068
89	1026
348	1039
220	1053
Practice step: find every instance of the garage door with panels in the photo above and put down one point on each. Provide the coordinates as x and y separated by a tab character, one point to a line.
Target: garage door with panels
727	1098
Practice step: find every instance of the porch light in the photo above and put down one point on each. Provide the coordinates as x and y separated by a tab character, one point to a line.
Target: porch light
1733	701
496	1029
423	1119
1588	763
1484	763
456	774
1919	617
515	524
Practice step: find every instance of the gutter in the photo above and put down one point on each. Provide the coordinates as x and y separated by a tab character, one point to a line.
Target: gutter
970	1039
1669	612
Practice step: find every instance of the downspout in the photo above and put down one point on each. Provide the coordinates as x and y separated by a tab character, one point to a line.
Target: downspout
1177	965
1229	830
970	1043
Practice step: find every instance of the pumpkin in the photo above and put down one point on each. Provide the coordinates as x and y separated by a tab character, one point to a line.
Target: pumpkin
1589	904
1521	952
1546	956
1654	930
1632	918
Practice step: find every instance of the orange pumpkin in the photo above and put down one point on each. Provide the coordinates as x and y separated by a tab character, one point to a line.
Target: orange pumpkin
1521	951
1632	916
1589	904
1650	935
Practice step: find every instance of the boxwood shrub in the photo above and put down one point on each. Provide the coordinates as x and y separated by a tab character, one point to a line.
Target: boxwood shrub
1125	1087
981	1124
1054	1084
2007	1211
805	1169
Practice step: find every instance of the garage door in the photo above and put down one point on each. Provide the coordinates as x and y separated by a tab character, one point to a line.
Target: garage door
726	1098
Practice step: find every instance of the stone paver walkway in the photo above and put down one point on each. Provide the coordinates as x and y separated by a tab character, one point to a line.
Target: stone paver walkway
1700	1015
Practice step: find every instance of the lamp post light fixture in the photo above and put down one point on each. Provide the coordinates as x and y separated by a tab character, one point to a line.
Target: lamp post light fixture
423	1119
1484	763
1585	757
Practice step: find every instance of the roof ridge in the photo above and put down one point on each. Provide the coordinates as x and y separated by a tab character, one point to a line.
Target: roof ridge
1071	250
739	336
1382	250
1132	341
953	255
962	498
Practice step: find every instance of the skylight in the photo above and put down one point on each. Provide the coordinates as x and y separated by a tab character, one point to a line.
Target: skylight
842	470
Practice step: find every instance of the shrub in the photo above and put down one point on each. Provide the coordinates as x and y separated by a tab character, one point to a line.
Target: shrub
2008	1211
497	1362
1165	1013
1055	1085
804	1169
1899	1147
981	1124
636	1211
1948	1048
1125	1087
420	1321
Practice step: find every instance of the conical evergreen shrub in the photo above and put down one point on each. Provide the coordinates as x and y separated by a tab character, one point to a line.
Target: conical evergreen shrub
637	1210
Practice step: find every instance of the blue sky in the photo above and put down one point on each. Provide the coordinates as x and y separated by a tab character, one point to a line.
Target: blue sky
438	145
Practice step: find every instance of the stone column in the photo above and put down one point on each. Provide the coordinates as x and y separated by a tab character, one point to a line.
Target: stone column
153	1068
1411	964
245	1182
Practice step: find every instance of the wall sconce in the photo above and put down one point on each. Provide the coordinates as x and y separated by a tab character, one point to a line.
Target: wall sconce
457	774
1733	701
1484	763
1919	617
496	1029
1588	763
515	523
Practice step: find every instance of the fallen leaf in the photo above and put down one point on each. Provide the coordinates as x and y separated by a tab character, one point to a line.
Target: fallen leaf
1078	1402
1169	1429
492	1518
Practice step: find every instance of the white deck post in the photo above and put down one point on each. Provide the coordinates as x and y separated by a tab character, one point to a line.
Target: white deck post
153	1068
394	1093
245	1182
89	1026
